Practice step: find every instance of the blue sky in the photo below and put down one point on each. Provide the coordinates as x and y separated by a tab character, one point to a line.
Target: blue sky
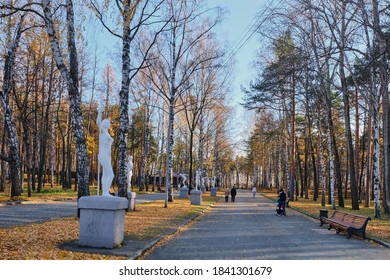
240	17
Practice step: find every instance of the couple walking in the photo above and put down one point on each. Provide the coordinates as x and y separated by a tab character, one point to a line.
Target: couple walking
232	193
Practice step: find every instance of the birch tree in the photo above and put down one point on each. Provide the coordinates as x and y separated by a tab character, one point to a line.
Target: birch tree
177	62
13	157
381	49
133	16
70	75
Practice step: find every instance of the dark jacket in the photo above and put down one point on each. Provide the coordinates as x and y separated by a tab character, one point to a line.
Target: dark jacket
233	191
282	196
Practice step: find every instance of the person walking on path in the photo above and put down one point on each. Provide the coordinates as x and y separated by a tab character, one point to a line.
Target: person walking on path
233	193
227	192
254	190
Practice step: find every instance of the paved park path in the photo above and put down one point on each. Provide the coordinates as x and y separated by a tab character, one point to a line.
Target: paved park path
249	229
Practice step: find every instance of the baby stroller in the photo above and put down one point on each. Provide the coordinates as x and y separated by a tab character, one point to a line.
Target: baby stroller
280	209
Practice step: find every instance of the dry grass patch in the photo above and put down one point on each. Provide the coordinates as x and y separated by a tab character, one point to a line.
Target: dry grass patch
40	241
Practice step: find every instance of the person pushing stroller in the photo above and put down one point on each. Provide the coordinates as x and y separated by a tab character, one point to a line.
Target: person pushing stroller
281	203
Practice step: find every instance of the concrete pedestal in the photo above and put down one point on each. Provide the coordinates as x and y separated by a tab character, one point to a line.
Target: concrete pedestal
196	197
102	221
213	191
131	201
183	192
203	189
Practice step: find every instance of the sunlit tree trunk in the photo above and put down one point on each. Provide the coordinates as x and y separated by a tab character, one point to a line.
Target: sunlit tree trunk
8	83
169	160
162	146
200	150
71	77
380	46
127	14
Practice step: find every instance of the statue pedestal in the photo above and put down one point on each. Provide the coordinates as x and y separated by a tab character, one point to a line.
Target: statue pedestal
196	197
213	191
203	189
102	221
131	199
183	192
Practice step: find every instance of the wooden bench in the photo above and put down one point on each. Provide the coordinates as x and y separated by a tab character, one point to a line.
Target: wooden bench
351	223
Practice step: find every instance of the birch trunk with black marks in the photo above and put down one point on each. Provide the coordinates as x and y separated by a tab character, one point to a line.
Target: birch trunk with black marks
171	116
376	153
382	49
3	163
207	167
168	171
8	83
380	46
215	158
330	143
322	166
200	150
124	99
71	77
162	137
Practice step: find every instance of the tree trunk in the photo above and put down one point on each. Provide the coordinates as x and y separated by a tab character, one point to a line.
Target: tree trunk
315	166
168	171
160	173
71	77
380	45
8	80
145	156
347	117
190	173
292	156
357	144
330	153
44	135
124	100
3	163
200	152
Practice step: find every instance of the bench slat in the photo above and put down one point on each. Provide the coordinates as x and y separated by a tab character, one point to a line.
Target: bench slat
349	222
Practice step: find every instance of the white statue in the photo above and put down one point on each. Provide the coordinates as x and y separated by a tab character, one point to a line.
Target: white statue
129	172
183	180
197	180
105	142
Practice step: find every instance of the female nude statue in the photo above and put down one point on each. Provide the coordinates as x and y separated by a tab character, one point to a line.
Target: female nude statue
105	142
